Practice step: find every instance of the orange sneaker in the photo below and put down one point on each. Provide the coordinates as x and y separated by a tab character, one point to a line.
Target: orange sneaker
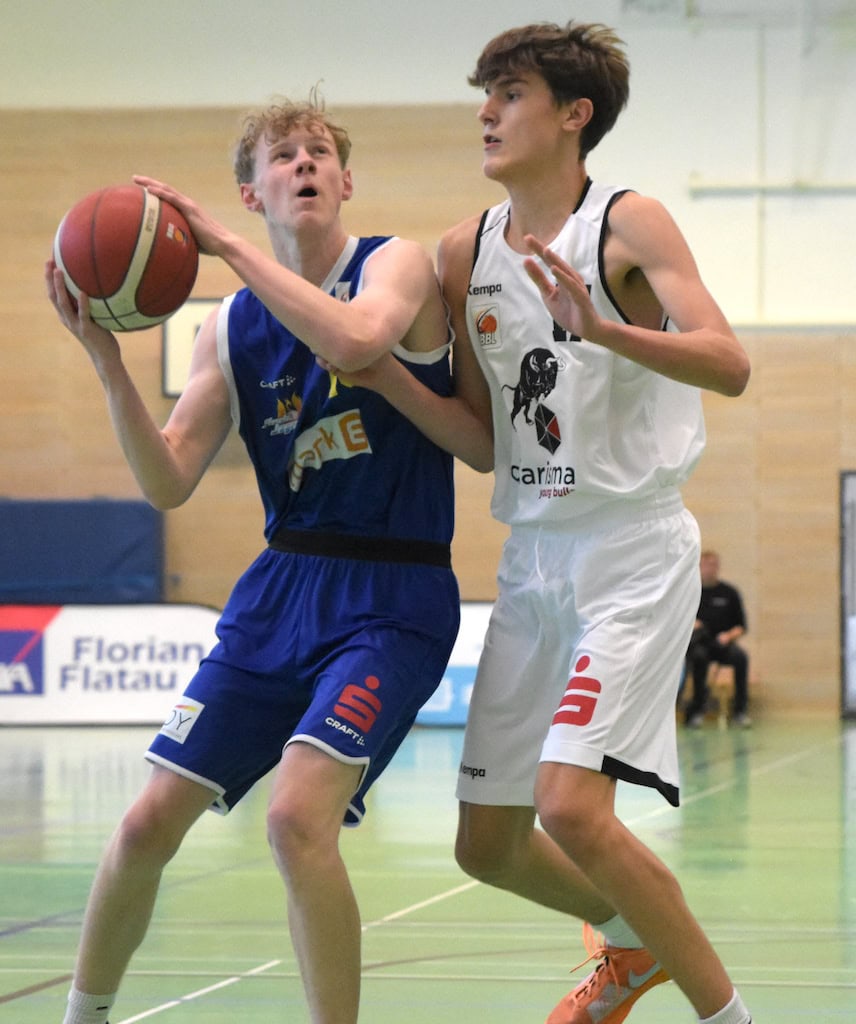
607	995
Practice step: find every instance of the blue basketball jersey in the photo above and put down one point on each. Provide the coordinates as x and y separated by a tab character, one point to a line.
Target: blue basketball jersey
338	650
329	457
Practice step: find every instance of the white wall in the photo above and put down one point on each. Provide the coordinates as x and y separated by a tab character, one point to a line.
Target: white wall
742	118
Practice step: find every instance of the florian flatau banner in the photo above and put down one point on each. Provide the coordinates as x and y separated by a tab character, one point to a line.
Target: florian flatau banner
127	664
92	664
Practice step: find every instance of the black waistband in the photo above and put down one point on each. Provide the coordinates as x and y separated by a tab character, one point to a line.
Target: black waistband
365	549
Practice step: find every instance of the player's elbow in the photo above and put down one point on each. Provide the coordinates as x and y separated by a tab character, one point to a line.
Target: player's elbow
481	462
356	350
163	501
164	495
478	453
737	377
352	360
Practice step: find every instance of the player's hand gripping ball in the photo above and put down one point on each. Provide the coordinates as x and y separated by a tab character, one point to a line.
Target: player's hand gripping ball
132	254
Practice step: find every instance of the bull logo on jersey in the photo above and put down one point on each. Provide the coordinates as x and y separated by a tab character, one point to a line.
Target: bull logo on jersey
539	370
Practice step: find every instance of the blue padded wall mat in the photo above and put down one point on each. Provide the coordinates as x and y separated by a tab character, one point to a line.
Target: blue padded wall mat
98	551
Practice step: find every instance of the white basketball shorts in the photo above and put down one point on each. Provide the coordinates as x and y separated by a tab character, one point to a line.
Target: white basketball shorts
583	653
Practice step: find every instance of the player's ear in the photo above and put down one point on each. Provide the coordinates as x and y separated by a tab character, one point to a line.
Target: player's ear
579	113
250	199
347	184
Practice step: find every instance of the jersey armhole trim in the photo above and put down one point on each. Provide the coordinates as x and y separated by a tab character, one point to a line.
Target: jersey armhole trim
224	360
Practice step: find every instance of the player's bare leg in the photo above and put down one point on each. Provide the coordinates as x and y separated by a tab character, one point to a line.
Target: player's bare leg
576	807
126	884
501	847
311	795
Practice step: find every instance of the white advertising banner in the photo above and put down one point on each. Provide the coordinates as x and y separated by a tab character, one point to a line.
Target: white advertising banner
127	664
98	664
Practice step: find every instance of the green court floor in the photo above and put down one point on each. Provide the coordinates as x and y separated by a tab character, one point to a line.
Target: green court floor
764	845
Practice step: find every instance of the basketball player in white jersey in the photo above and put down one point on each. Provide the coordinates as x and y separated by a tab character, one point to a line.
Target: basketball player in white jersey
584	336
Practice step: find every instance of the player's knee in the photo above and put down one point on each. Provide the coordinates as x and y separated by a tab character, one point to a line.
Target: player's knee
484	865
569	823
487	859
145	834
284	825
293	832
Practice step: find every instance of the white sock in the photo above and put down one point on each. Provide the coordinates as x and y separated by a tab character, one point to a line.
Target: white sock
617	932
84	1008
734	1012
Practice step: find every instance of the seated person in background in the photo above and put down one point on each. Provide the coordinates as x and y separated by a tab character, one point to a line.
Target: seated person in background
720	622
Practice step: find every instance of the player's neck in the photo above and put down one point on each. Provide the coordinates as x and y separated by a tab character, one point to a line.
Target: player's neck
542	207
310	254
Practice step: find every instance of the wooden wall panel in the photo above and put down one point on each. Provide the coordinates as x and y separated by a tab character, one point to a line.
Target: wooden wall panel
765	492
766	496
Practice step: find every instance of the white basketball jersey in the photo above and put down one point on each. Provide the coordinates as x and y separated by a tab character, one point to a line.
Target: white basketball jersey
575	425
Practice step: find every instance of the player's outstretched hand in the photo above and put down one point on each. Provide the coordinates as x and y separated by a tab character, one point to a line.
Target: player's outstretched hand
564	293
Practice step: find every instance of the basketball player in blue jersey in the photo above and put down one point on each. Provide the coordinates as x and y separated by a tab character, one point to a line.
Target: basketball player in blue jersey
341	629
579	362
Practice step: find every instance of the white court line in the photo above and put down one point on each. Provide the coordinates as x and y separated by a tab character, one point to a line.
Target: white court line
457	890
201	992
780	762
425	903
275	963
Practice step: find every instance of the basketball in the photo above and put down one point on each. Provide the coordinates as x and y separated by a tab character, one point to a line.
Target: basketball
132	254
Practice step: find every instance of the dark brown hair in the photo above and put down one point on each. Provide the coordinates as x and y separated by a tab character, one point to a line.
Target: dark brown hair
576	60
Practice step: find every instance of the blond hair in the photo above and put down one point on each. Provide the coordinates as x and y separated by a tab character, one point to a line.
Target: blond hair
277	120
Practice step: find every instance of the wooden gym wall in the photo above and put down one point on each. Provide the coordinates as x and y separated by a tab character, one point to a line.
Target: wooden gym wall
765	493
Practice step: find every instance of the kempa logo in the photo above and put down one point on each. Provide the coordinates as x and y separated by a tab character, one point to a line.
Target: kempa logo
475	773
484	289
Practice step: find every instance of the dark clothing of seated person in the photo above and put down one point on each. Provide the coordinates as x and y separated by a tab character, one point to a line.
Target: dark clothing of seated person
720	622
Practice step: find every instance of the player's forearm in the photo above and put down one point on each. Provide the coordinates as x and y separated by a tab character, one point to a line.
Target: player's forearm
703	358
146	449
447	421
338	332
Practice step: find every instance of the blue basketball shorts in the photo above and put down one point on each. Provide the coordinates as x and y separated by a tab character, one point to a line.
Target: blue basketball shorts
339	653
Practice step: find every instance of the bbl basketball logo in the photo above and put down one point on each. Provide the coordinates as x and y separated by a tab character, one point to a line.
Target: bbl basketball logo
487	326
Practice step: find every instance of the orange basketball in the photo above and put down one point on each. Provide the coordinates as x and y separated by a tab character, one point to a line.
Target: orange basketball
132	254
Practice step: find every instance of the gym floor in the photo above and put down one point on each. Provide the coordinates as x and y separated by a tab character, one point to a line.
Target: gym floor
764	845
